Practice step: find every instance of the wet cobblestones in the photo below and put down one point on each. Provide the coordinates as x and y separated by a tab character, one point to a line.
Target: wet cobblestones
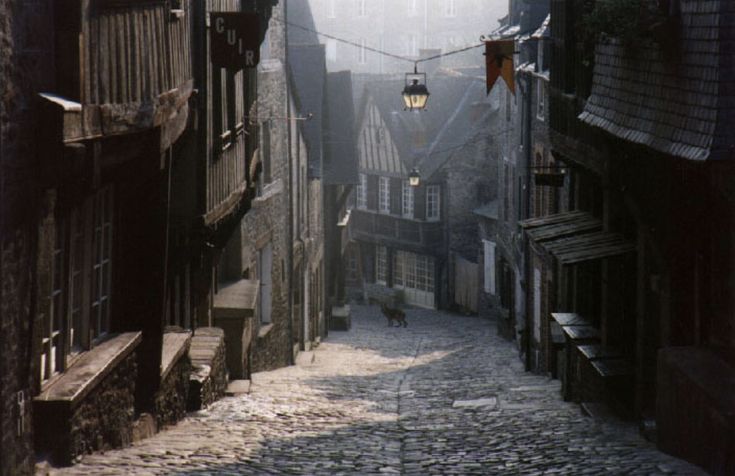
443	396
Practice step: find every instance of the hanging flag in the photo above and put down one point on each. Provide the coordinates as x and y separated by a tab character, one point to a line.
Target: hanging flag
499	61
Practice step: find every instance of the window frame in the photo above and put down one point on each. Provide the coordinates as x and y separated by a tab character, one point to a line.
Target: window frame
381	265
384	195
361	199
407	200
433	210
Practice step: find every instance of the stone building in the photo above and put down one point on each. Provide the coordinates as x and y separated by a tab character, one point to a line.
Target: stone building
96	353
401	234
641	273
402	28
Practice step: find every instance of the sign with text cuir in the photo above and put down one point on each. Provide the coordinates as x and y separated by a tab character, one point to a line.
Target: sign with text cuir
234	39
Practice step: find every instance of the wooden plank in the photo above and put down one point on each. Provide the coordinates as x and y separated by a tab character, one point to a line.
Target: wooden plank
569	319
581	332
596	351
612	367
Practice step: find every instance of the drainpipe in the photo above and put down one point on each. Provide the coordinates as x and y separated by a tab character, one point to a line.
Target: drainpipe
289	191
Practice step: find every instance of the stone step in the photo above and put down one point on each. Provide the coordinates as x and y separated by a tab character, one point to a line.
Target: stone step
238	387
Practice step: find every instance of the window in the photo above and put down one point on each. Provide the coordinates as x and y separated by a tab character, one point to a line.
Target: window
407	200
507	105
362	192
432	202
381	265
412	45
413	271
412	8
265	155
331	10
53	330
384	195
450	8
489	262
361	8
331	50
79	302
540	98
362	52
101	264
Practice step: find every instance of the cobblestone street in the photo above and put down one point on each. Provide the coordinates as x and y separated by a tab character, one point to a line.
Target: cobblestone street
443	396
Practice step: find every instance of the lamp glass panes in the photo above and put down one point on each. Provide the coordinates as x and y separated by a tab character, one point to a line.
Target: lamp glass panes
415	92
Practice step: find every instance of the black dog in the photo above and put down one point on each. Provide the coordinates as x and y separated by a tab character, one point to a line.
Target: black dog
394	315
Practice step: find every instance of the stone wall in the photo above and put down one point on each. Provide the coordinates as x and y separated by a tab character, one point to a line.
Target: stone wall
171	398
26	67
101	421
266	222
208	381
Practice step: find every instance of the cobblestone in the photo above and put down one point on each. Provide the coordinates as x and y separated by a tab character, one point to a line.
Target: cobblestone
379	400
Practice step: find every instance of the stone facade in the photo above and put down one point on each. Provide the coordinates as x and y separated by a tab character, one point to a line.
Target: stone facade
171	400
26	43
403	28
102	420
266	223
208	380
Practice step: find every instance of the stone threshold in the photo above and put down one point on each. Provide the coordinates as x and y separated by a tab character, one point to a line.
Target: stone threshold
90	369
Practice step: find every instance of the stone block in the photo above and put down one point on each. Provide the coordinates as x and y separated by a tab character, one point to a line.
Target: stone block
341	320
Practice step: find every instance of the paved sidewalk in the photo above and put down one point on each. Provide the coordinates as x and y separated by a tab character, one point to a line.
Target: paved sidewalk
443	396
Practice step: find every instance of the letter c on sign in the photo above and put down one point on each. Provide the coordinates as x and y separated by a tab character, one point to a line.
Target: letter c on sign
220	25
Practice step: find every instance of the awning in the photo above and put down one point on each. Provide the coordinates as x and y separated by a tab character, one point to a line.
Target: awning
588	247
575	237
560	225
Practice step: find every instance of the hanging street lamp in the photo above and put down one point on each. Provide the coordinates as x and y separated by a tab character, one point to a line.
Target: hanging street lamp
415	93
414	178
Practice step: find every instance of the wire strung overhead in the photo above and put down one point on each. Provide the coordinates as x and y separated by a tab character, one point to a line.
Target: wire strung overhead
375	50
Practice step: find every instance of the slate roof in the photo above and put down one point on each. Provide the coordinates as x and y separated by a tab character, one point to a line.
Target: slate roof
449	120
340	159
299	13
309	72
687	109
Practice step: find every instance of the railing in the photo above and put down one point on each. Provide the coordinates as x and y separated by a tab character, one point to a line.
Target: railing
376	227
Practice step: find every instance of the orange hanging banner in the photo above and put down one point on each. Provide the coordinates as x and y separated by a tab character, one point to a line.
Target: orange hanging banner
499	61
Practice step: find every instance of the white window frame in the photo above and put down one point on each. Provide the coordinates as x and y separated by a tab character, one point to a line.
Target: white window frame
412	44
361	192
540	99
331	9
451	8
331	50
407	200
433	202
413	8
384	195
489	262
361	8
362	52
381	265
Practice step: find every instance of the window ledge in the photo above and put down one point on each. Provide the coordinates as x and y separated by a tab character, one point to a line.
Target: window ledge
270	190
175	344
264	330
91	368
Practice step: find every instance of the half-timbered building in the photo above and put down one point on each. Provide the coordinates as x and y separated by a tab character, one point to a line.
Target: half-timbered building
399	231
